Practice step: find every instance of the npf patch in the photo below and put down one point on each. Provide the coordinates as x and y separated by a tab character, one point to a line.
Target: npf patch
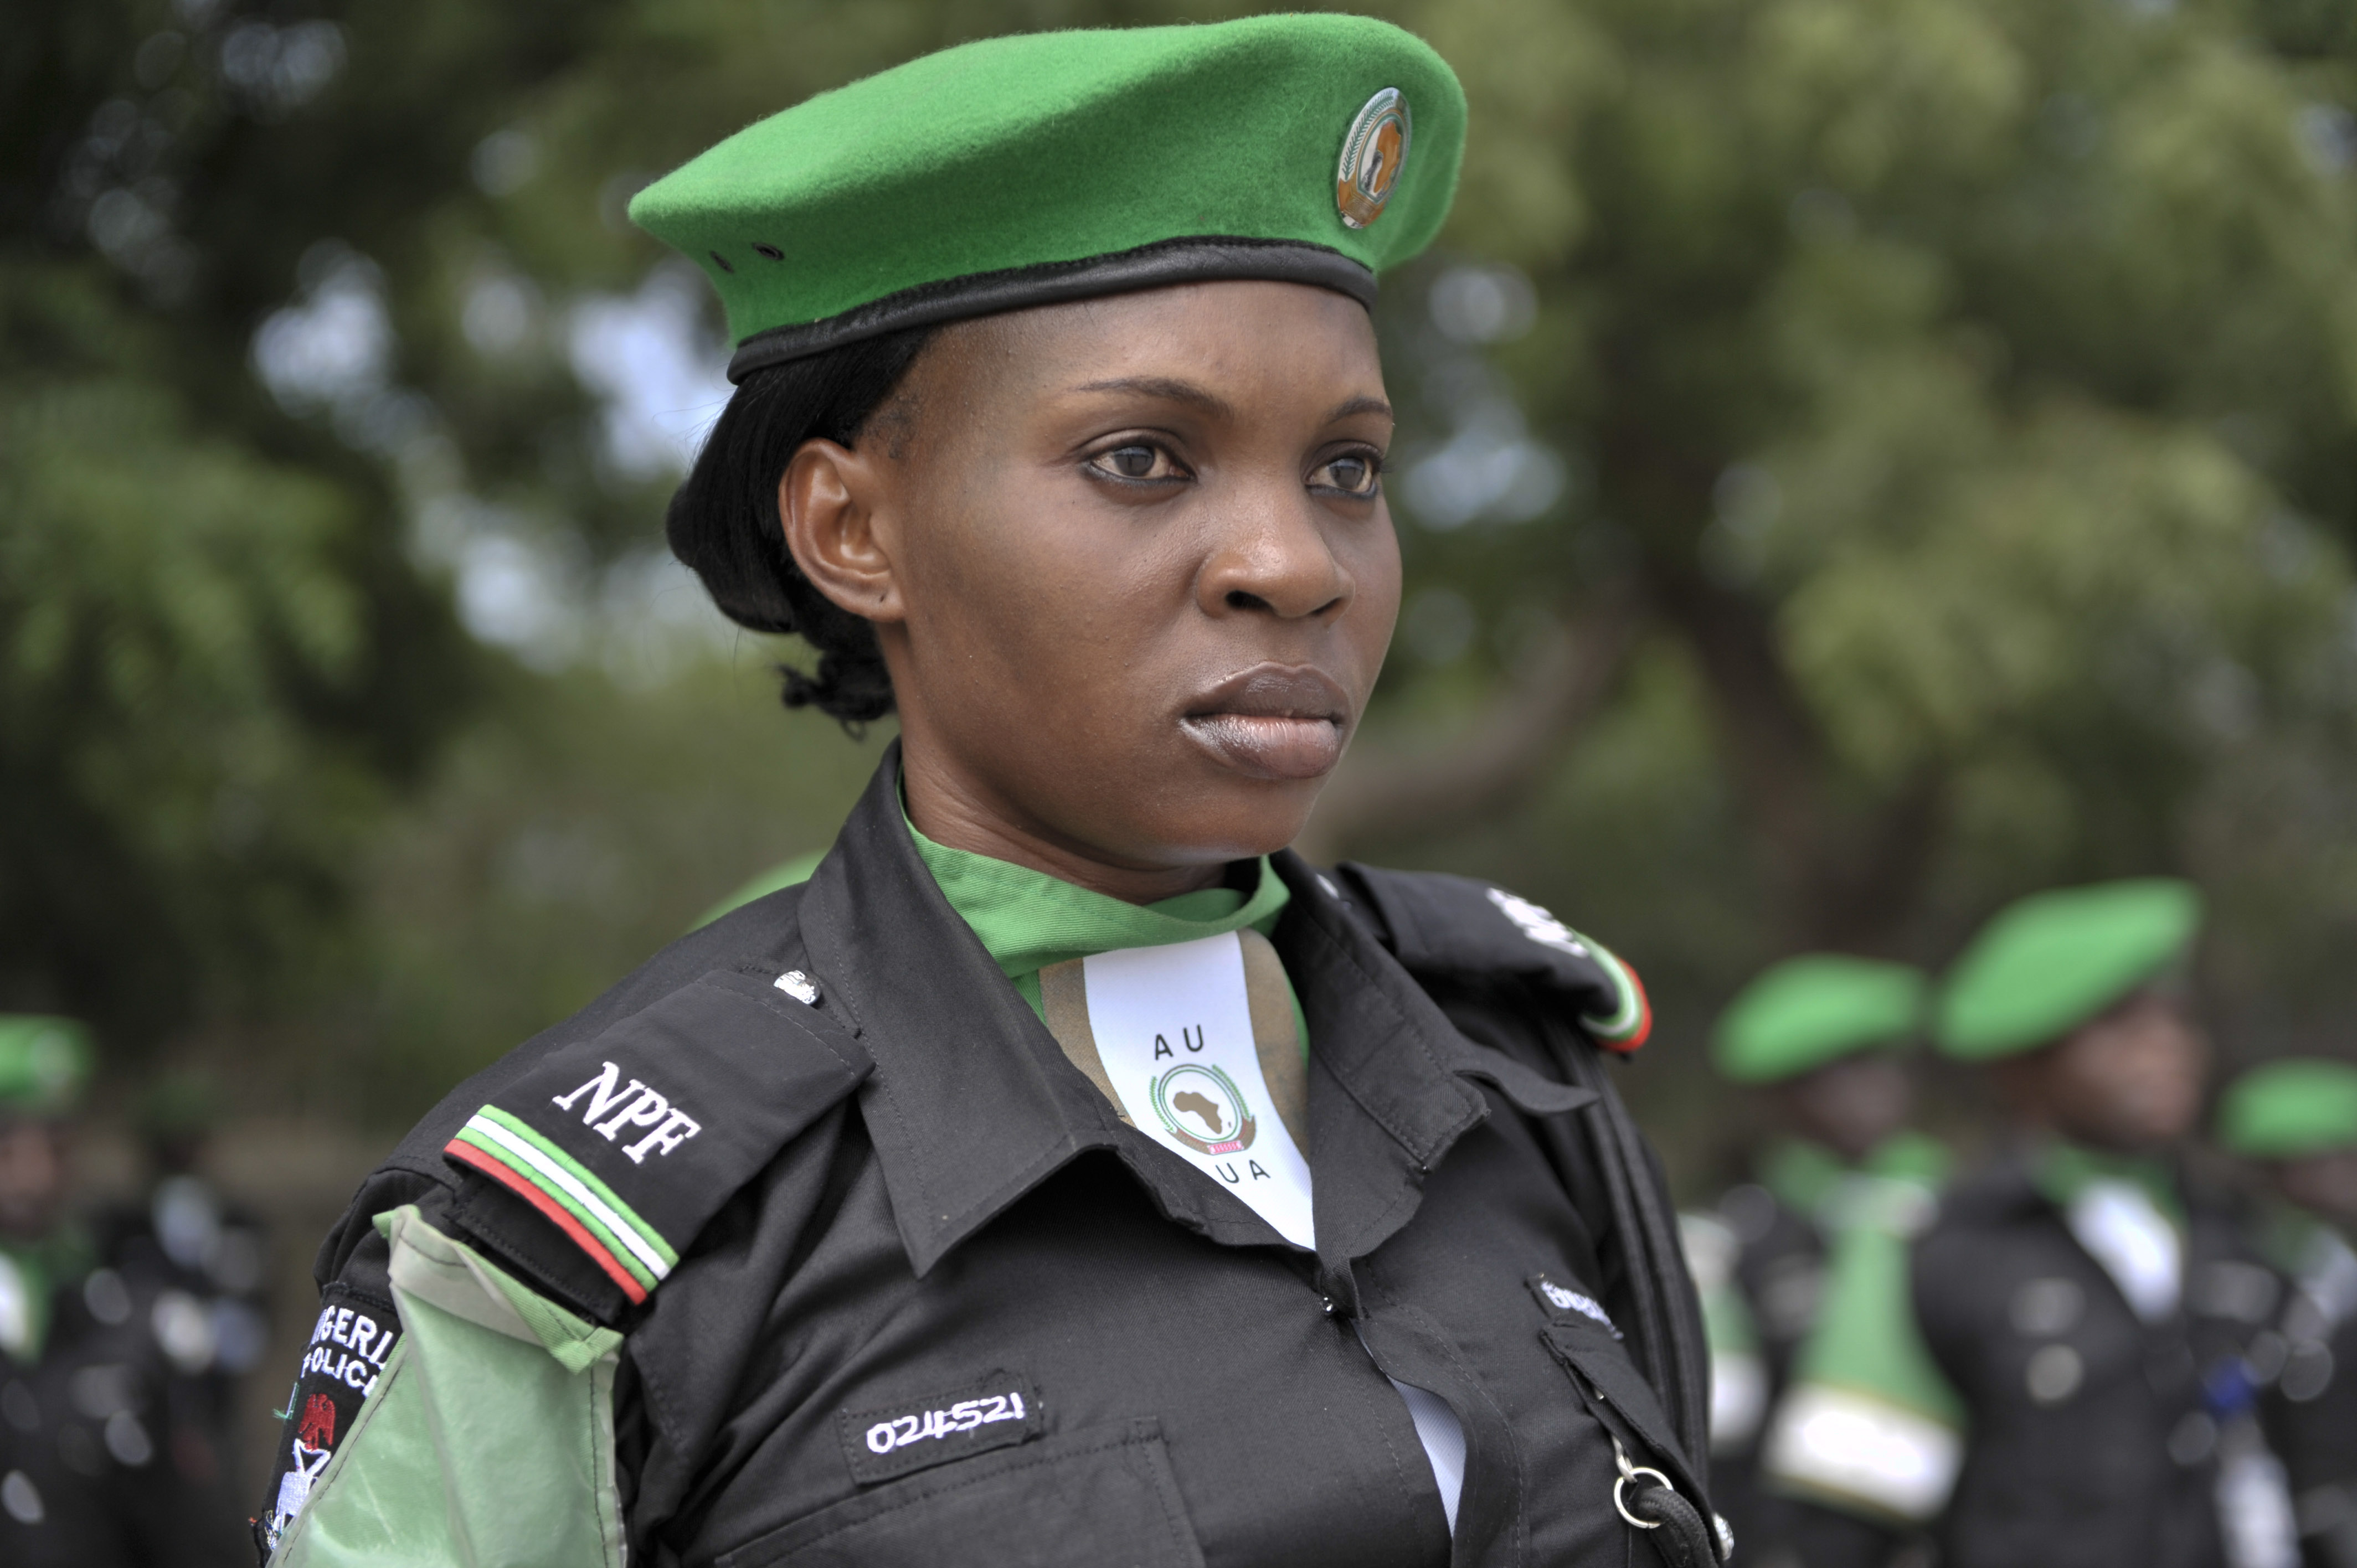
997	1412
352	1340
626	1143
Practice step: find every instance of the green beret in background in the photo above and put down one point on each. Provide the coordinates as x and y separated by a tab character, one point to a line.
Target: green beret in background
43	1062
2287	1108
2052	962
1808	1011
1024	170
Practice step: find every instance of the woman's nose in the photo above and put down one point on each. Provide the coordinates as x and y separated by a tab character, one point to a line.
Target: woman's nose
1272	557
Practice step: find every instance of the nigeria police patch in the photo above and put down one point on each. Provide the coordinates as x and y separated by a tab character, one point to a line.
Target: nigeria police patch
351	1341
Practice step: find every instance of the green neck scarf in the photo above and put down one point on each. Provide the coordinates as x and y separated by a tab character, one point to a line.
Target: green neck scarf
1810	1178
1028	919
39	1269
2294	1240
1865	1340
2062	1171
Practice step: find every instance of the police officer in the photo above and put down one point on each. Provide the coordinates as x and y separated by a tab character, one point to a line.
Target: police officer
87	1477
2093	1305
2298	1120
1065	1173
1847	1416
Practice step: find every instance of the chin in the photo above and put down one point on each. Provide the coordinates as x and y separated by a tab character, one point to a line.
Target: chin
1249	819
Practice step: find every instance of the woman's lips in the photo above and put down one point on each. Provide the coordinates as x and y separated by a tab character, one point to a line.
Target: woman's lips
1273	722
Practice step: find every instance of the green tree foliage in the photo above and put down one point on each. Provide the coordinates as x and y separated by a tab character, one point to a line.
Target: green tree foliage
1962	391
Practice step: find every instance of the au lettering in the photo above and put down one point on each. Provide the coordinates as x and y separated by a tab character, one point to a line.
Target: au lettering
1234	1178
638	1106
1192	1041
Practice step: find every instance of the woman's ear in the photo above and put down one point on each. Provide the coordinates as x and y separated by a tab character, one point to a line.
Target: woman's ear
835	507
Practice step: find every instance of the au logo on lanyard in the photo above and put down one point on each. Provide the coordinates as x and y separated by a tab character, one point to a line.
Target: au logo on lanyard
1173	1030
1205	1110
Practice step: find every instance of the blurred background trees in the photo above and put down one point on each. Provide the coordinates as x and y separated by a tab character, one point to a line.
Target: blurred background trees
1863	459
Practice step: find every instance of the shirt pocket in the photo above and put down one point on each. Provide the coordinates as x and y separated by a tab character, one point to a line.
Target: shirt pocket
1102	1497
1599	1365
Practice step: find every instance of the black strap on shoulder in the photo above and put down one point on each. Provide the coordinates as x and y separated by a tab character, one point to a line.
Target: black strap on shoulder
595	1170
1435	925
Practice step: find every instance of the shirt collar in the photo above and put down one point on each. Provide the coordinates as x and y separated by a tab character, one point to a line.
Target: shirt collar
1028	919
973	1103
2062	1171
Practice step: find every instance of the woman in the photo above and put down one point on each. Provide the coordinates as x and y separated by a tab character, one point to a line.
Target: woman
1065	1173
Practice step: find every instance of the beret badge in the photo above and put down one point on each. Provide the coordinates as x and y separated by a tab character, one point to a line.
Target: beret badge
1373	153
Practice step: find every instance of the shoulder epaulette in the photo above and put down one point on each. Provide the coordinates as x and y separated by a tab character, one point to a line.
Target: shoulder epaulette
1458	929
628	1141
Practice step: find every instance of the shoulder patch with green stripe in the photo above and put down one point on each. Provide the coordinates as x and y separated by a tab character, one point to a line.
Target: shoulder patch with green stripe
1438	925
615	1151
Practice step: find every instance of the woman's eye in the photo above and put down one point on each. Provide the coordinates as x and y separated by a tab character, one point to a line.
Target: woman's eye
1355	474
1136	462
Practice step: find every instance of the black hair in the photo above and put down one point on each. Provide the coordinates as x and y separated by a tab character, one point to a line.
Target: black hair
723	521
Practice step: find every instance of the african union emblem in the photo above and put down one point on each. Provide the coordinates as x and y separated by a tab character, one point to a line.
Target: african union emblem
1372	155
1195	1100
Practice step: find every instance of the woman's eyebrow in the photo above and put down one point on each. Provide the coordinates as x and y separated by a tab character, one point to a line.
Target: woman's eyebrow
1168	391
1359	405
1173	390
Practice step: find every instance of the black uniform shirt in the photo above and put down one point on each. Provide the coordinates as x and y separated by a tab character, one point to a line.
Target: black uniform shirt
2093	1433
964	1313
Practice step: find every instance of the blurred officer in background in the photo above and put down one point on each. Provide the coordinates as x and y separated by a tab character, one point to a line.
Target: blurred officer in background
1828	1421
2094	1307
87	1477
2299	1120
194	1265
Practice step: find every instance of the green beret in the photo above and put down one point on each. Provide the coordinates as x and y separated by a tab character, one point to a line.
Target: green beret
1808	1011
2287	1108
1022	171
43	1062
2055	960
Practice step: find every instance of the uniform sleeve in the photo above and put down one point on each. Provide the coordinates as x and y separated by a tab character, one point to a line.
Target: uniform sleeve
446	1414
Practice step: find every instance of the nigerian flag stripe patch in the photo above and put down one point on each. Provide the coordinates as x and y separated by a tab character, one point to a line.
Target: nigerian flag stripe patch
562	1178
1632	1020
597	1190
516	1168
510	1170
633	1285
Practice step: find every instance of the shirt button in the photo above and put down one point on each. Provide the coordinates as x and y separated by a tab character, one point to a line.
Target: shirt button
1326	1304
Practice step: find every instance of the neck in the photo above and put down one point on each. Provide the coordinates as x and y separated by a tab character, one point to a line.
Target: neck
952	811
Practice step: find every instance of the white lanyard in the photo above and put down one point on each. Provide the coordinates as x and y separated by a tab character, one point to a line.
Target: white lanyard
1173	1027
2125	1230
